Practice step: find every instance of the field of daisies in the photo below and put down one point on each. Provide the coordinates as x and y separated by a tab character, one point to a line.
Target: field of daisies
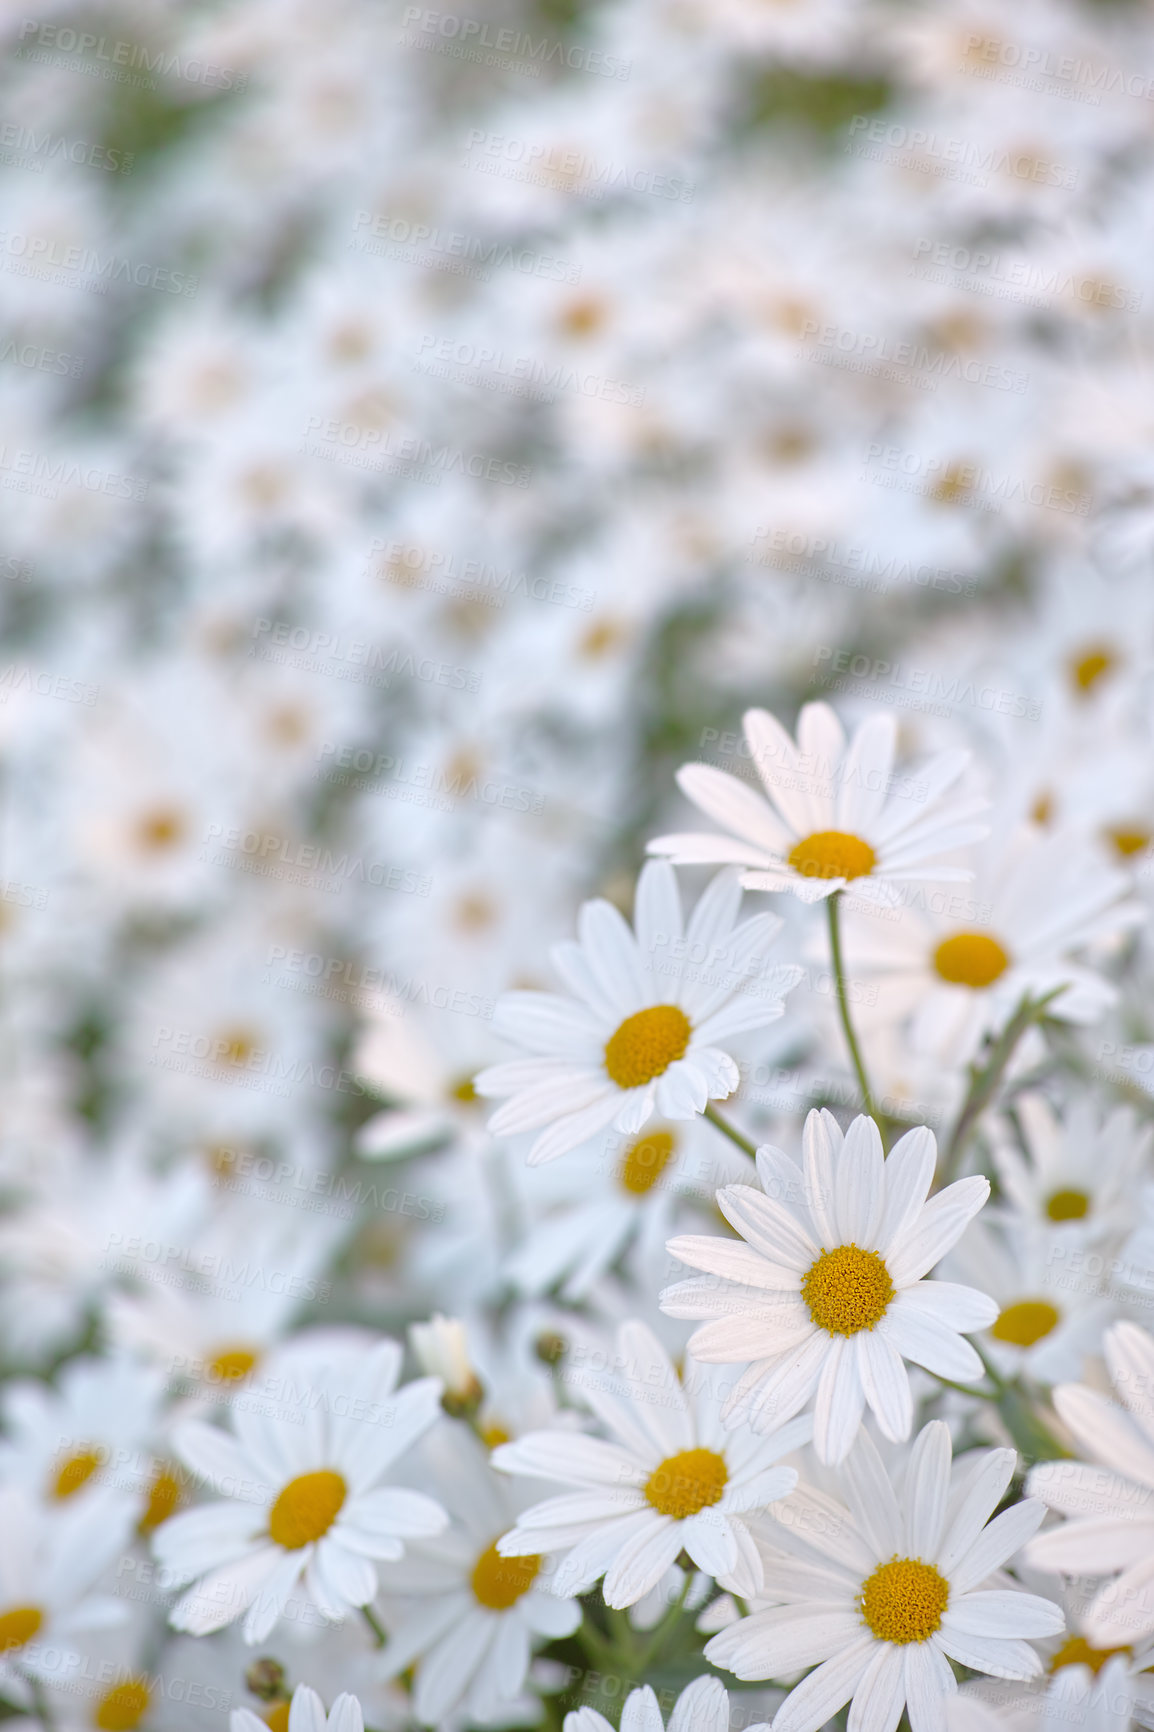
576	844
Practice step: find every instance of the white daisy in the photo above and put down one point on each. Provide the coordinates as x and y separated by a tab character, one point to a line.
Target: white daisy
672	1480
836	817
95	1428
1040	900
879	1594
702	1706
469	1617
306	1713
304	1494
639	1035
49	1560
1078	1172
827	1297
1108	1496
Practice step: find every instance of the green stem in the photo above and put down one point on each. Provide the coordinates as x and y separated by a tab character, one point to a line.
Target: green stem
833	913
371	1619
987	1080
664	1629
40	1702
730	1131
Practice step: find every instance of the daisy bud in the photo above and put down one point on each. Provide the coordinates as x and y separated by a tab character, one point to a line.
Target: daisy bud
442	1350
265	1678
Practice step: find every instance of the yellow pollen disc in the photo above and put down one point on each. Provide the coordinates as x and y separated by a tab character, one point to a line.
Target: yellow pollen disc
18	1625
306	1508
237	1045
903	1600
1076	1651
493	1434
123	1707
971	959
159	830
1043	809
1088	667
833	854
646	1045
1068	1206
847	1290
75	1471
464	1091
644	1162
1026	1322
230	1364
686	1483
1128	840
164	1498
499	1582
276	1718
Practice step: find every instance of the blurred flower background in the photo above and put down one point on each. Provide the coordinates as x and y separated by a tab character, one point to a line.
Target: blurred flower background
424	433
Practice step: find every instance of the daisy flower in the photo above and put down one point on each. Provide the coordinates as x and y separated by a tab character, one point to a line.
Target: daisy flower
640	1033
1107	1497
702	1706
1051	1314
306	1713
49	1561
96	1424
303	1494
827	1298
880	1593
1037	902
466	1616
833	816
672	1479
1079	1172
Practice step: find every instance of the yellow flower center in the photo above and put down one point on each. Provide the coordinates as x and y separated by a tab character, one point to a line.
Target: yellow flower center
1128	839
463	1091
306	1508
1076	1651
122	1708
646	1045
164	1497
75	1471
686	1483
493	1433
499	1582
1088	666
277	1717
832	854
1068	1206
160	829
230	1364
971	959
237	1045
1026	1322
644	1162
18	1625
903	1600
847	1290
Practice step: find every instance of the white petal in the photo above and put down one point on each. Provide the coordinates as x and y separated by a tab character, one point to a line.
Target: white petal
881	1694
827	1689
928	1488
1002	1612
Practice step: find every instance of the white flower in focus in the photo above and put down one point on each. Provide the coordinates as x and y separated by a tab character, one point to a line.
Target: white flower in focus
671	1479
881	1593
827	1298
468	1617
649	1007
1108	1496
834	816
702	1706
306	1714
304	1494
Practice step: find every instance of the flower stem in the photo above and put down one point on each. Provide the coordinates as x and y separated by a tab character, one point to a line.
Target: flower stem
834	914
371	1619
40	1702
986	1080
730	1131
